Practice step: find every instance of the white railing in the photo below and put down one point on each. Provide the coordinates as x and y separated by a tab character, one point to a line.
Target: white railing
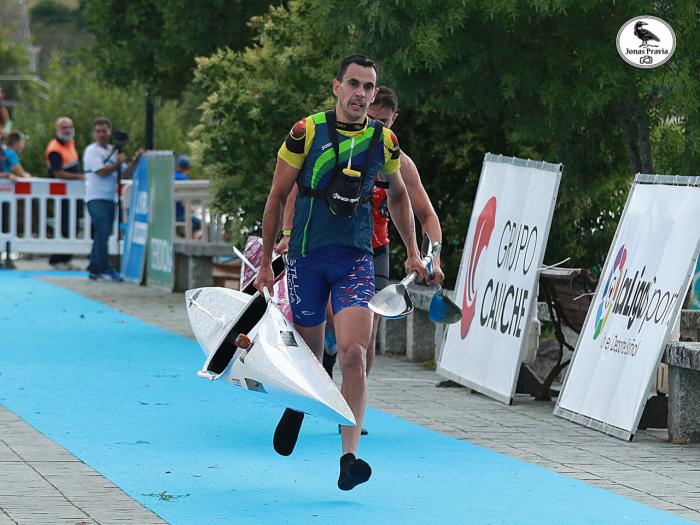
32	209
31	217
195	198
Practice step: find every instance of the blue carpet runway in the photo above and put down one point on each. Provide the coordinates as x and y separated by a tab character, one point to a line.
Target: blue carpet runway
123	397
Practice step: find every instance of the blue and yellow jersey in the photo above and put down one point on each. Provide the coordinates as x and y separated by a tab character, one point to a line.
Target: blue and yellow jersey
309	149
296	147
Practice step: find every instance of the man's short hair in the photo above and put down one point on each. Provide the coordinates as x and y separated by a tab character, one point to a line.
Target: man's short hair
14	137
360	60
101	120
386	98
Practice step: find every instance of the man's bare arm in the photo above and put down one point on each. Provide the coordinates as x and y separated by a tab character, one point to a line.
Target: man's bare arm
18	170
420	201
108	169
287	220
133	164
402	216
282	185
423	209
289	208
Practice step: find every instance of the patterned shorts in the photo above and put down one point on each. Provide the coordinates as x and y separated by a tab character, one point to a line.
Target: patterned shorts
347	274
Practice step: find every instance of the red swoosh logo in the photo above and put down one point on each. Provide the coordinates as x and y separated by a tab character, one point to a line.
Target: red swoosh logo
484	227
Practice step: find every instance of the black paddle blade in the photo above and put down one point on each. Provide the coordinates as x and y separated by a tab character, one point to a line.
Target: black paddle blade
392	302
443	309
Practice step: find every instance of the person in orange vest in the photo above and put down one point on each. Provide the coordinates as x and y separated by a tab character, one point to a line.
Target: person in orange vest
61	159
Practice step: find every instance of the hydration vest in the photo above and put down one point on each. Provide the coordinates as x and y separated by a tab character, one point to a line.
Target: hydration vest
315	225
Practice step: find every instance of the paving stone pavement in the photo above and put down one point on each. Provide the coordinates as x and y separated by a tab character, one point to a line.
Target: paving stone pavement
649	470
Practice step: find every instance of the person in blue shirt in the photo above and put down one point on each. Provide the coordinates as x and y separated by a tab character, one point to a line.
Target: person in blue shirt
15	145
182	168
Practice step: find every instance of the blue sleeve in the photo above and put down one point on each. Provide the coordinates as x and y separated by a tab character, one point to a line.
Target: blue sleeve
11	159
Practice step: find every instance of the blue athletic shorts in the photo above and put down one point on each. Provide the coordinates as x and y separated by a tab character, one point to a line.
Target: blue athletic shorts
346	273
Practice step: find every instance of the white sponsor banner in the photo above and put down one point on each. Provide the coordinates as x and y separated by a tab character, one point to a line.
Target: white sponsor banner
497	282
639	294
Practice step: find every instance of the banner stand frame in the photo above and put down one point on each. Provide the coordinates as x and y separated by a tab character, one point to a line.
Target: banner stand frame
576	417
526	163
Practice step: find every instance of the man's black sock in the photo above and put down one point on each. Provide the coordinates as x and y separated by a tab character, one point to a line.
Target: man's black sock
353	471
287	431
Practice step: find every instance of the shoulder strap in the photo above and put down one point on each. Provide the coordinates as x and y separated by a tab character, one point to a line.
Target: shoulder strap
330	123
372	152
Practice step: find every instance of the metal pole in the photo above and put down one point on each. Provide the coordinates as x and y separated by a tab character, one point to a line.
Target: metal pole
8	264
150	111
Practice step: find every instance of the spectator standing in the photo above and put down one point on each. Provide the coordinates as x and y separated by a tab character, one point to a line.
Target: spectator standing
61	159
15	145
102	163
182	168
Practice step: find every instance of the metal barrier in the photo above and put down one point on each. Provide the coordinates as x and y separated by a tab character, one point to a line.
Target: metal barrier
46	216
195	198
33	211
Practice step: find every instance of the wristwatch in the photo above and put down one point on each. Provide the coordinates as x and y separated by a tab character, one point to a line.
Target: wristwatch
287	233
436	249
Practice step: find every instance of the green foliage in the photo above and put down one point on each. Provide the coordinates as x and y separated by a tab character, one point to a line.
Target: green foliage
56	26
255	97
156	42
12	57
78	93
533	79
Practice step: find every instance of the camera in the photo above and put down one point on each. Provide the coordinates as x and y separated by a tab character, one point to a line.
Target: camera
646	60
120	138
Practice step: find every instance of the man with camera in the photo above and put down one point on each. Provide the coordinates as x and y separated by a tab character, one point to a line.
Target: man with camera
104	166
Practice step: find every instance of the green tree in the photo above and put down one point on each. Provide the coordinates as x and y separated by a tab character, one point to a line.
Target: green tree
255	96
534	79
13	60
78	93
56	26
155	43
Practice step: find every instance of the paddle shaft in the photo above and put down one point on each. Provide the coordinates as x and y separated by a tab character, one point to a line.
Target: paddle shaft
411	277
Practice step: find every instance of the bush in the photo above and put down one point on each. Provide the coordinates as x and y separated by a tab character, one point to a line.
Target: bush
76	92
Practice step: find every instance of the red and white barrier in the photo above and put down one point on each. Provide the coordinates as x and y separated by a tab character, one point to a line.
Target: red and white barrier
31	214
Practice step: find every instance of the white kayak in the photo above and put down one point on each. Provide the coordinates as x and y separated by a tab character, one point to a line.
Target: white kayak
277	363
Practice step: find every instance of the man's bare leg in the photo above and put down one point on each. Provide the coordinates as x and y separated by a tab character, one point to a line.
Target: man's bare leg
352	329
288	428
371	348
313	337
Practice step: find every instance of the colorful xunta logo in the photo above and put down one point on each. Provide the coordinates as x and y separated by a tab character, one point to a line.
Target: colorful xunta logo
484	227
610	291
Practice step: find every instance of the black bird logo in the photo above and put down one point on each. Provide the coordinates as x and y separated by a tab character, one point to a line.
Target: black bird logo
644	35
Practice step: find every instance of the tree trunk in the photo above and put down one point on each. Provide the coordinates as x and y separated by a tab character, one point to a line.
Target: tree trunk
629	130
150	110
641	121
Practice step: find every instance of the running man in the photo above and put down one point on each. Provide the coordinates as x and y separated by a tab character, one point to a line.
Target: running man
335	157
385	109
